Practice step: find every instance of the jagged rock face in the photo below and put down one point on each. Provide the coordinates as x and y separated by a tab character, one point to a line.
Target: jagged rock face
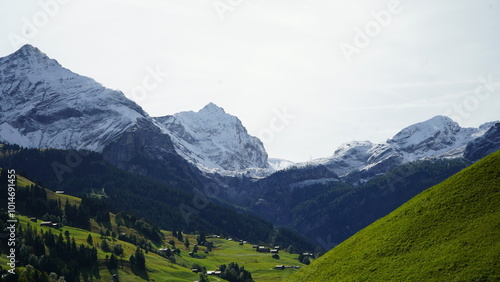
143	149
142	138
214	140
484	145
45	105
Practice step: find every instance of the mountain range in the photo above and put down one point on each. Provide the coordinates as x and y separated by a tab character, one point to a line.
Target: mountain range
44	105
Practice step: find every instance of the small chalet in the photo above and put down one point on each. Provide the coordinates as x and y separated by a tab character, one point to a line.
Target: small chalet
46	223
262	249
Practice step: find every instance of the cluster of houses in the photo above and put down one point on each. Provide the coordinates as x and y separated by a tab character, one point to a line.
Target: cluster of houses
264	249
260	249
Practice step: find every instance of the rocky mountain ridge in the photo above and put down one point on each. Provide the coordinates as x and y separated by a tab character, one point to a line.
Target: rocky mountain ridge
44	105
216	142
439	137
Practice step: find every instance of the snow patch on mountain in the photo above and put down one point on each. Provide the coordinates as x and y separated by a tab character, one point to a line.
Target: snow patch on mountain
279	164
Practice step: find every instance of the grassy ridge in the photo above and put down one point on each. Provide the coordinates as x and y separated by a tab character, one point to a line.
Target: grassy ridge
450	232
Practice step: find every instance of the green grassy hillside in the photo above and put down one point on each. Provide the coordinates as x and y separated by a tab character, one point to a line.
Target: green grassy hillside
158	267
261	265
450	232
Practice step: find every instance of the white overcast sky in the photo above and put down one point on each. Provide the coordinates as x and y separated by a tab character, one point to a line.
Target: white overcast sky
268	56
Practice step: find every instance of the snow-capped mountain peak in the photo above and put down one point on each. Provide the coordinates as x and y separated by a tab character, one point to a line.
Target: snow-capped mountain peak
353	147
44	105
440	129
30	53
215	141
213	109
438	137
